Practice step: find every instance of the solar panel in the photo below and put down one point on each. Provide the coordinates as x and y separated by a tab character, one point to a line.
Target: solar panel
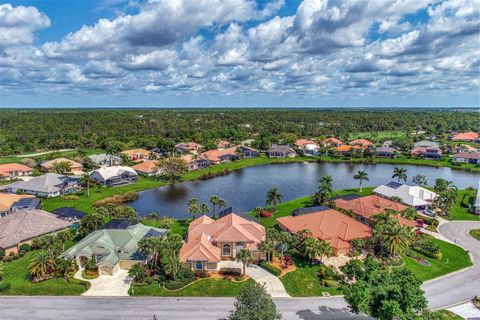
302	211
394	185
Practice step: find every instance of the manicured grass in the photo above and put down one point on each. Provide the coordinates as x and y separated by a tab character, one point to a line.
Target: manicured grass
447	315
475	234
304	282
18	159
179	227
459	212
454	258
202	288
16	273
378	135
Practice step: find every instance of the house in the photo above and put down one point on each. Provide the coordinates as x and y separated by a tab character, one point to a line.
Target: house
136	154
426	153
329	225
386	152
465	148
105	160
46	186
248	152
114	176
195	163
210	241
223	144
467	157
347	149
17	202
220	156
332	142
23	226
14	170
308	147
147	168
75	167
465	136
413	196
365	144
189	147
365	208
281	152
426	144
112	248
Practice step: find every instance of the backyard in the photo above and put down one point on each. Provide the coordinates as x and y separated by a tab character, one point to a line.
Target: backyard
459	210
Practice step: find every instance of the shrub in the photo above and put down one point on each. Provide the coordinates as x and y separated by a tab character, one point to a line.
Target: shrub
186	274
234	272
25	247
129	196
202	274
328	277
4	286
266	214
428	248
21	254
165	222
71	198
7	259
15	257
273	270
2	253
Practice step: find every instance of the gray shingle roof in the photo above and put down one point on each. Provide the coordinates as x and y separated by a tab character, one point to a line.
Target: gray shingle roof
50	182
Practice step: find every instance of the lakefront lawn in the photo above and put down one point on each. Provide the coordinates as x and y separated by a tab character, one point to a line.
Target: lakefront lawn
459	210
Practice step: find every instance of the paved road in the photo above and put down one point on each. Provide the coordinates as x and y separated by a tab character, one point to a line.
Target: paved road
102	308
462	285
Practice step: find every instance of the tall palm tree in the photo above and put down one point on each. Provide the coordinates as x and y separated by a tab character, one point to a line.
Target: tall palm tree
273	197
324	190
245	257
257	211
400	174
62	237
40	265
361	176
267	246
203	208
151	248
213	199
193	207
85	180
311	248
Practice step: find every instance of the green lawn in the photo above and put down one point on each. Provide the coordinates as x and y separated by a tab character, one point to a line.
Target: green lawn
378	135
459	212
16	273
475	234
73	153
179	227
447	315
201	288
454	258
304	282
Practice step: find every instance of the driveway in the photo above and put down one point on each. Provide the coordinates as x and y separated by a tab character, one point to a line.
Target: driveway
109	286
464	284
273	285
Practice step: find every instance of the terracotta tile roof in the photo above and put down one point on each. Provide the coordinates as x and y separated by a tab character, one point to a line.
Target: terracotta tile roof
361	142
223	144
214	155
332	140
74	165
134	152
193	146
372	205
303	142
417	151
147	166
204	232
6	168
346	148
329	225
465	136
23	225
468	155
8	199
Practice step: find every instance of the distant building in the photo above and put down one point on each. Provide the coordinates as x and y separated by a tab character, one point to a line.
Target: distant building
365	144
467	157
281	152
136	154
46	186
105	160
247	152
75	167
147	168
465	136
223	144
426	153
220	156
386	152
14	170
333	142
413	196
189	147
308	147
195	163
114	176
427	144
17	202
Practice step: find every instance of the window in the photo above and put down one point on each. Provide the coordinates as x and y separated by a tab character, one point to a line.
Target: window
226	250
198	265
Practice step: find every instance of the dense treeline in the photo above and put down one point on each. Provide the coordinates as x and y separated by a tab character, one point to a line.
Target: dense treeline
29	130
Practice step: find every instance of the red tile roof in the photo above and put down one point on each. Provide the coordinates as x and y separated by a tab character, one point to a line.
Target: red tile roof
468	155
9	167
329	225
465	136
147	166
333	141
346	148
214	155
303	142
361	142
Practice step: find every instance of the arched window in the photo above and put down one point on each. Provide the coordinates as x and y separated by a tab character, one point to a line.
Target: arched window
226	250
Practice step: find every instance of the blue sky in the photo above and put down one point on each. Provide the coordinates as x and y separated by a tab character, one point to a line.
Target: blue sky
239	53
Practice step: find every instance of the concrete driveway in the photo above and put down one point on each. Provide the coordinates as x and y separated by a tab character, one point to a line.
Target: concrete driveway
273	285
108	286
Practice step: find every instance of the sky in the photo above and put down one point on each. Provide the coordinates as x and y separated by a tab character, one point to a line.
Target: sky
240	53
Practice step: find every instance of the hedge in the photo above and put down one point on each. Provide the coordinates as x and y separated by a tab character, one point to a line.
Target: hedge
427	253
4	286
273	270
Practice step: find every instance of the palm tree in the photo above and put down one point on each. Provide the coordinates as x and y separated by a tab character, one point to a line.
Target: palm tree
324	190
361	176
89	223
283	239
138	272
151	248
85	179
203	208
390	236
273	197
311	248
40	265
245	257
257	211
62	237
267	246
400	174
193	207
217	203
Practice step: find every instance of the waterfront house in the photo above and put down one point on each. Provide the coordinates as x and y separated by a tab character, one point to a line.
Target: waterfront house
365	208
46	186
23	226
413	196
148	168
365	144
465	136
14	170
467	157
426	153
386	152
113	248
220	156
195	162
75	167
189	147
17	202
223	144
426	144
210	241
332	142
281	152
308	147
136	154
247	152
105	160
114	176
347	149
329	225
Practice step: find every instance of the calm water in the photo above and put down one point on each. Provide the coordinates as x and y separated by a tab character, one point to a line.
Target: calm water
246	188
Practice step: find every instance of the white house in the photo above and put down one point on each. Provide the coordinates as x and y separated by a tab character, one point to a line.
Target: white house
114	176
413	196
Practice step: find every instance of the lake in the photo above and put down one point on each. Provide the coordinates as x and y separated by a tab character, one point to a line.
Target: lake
246	188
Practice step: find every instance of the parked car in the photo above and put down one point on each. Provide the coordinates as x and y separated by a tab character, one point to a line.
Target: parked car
429	213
